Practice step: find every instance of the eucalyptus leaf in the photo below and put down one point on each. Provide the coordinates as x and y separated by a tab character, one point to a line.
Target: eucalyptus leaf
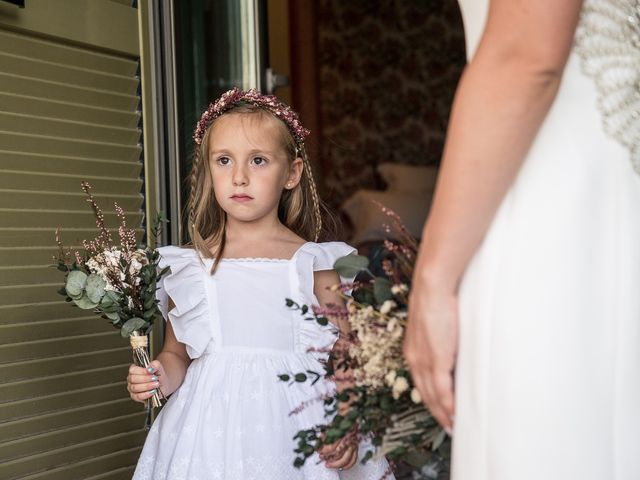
364	296
110	301
382	290
108	307
132	325
346	424
95	287
439	439
115	316
149	302
76	282
351	265
85	303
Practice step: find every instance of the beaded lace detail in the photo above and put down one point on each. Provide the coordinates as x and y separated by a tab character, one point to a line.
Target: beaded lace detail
608	42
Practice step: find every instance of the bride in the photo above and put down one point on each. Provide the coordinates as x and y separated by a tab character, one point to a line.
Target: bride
524	326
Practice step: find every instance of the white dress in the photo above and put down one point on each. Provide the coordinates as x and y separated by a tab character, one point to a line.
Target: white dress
548	374
231	418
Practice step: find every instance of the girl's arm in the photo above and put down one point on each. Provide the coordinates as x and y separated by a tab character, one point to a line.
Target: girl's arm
169	368
340	454
503	97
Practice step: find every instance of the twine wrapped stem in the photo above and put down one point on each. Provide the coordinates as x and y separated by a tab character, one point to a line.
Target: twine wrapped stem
139	344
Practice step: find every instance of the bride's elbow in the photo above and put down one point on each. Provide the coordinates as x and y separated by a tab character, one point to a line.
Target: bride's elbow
515	56
540	68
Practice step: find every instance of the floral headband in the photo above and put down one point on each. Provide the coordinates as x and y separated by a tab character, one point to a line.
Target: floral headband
235	96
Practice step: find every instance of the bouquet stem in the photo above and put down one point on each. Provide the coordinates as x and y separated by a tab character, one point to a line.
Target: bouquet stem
139	344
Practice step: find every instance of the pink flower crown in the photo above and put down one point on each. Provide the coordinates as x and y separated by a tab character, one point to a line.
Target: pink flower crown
235	96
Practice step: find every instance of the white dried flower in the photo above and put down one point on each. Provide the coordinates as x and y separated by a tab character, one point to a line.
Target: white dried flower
351	307
399	288
134	267
415	396
101	270
393	323
112	258
387	306
390	378
399	387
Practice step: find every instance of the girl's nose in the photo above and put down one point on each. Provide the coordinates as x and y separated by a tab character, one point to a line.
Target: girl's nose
240	177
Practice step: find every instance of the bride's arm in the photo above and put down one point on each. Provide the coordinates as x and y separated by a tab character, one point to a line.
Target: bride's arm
503	97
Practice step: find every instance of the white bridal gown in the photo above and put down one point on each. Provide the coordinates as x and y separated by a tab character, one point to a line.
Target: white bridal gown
548	375
231	418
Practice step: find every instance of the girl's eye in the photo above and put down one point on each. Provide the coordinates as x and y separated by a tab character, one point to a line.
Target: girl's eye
259	161
224	161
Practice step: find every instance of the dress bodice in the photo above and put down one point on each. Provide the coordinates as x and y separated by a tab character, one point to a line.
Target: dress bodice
474	16
243	305
605	57
253	312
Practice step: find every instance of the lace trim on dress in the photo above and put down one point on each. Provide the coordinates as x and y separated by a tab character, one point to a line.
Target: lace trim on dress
608	42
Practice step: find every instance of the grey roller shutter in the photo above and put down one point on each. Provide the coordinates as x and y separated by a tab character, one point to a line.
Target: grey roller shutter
69	111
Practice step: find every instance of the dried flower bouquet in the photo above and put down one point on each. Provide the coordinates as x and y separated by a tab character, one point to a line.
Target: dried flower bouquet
117	282
381	408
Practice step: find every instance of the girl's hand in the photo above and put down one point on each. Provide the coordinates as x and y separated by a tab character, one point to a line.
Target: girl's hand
341	455
142	383
430	347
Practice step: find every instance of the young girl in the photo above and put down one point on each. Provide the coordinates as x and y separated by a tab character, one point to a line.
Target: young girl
253	211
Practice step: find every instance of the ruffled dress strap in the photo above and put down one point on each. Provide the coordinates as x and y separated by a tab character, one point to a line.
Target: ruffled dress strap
313	257
186	286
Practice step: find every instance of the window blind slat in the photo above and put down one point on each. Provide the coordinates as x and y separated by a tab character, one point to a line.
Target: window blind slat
19	237
62	364
27	66
46	107
40	349
77	130
36	181
61	401
25	313
90	467
66	436
20	332
42	49
47	145
24	427
14	199
26	86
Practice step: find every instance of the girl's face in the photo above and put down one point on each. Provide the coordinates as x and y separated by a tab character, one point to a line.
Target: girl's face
249	165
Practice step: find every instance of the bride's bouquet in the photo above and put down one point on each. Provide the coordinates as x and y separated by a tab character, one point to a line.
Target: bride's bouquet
381	406
116	282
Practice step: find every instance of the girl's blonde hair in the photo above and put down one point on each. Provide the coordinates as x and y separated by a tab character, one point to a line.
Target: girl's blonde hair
300	208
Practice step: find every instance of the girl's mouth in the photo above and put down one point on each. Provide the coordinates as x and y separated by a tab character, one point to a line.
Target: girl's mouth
241	198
